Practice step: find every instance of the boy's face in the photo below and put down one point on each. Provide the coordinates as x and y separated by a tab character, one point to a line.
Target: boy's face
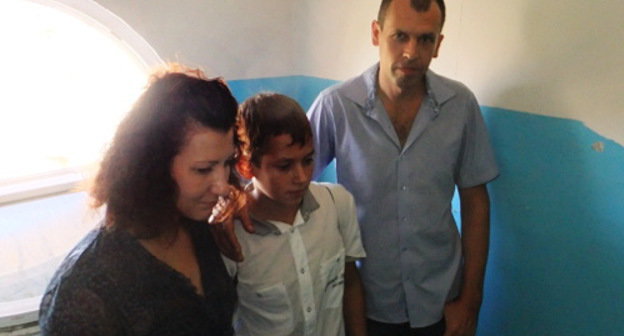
285	171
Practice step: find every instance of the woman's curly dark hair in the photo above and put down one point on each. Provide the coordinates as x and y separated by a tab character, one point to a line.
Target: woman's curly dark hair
134	180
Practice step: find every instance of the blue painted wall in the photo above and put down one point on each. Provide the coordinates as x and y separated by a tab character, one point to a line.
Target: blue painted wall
557	253
556	264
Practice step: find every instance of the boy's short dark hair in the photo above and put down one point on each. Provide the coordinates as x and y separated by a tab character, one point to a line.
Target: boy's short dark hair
265	116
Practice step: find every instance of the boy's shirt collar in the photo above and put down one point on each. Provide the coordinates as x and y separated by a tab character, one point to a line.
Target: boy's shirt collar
267	227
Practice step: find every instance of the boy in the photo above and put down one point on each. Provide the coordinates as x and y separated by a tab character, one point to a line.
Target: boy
301	258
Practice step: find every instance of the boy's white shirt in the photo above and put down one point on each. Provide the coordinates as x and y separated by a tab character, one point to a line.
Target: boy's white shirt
292	279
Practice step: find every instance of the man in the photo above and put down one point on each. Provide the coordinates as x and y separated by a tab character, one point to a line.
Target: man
404	138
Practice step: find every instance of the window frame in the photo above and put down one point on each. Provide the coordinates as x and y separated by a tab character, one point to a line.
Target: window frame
68	179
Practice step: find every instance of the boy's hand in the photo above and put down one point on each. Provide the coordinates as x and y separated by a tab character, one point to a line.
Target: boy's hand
222	223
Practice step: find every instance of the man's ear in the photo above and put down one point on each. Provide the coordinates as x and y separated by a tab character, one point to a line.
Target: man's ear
375	31
437	49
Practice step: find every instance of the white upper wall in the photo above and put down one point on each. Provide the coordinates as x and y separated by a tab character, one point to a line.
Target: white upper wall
555	58
337	37
241	39
233	38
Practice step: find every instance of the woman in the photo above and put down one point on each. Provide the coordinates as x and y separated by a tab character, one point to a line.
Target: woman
153	268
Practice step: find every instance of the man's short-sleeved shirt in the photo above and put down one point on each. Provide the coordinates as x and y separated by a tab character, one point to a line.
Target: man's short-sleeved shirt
292	279
403	193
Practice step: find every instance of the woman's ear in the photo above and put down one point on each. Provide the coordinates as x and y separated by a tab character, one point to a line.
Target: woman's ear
243	166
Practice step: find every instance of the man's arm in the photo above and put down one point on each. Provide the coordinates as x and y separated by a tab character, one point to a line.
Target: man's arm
461	314
353	304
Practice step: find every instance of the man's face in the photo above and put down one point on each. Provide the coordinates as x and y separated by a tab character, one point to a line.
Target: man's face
285	171
407	42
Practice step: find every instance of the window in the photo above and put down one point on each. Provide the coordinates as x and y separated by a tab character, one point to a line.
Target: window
71	71
66	83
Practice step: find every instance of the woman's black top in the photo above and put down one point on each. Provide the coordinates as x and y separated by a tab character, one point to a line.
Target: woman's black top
110	285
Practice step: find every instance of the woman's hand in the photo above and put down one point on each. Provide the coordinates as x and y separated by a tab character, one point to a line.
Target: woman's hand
222	222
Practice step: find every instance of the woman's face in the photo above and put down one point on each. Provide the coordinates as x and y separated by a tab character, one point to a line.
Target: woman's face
201	170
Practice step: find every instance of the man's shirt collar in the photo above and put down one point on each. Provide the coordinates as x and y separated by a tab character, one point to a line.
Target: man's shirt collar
363	92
